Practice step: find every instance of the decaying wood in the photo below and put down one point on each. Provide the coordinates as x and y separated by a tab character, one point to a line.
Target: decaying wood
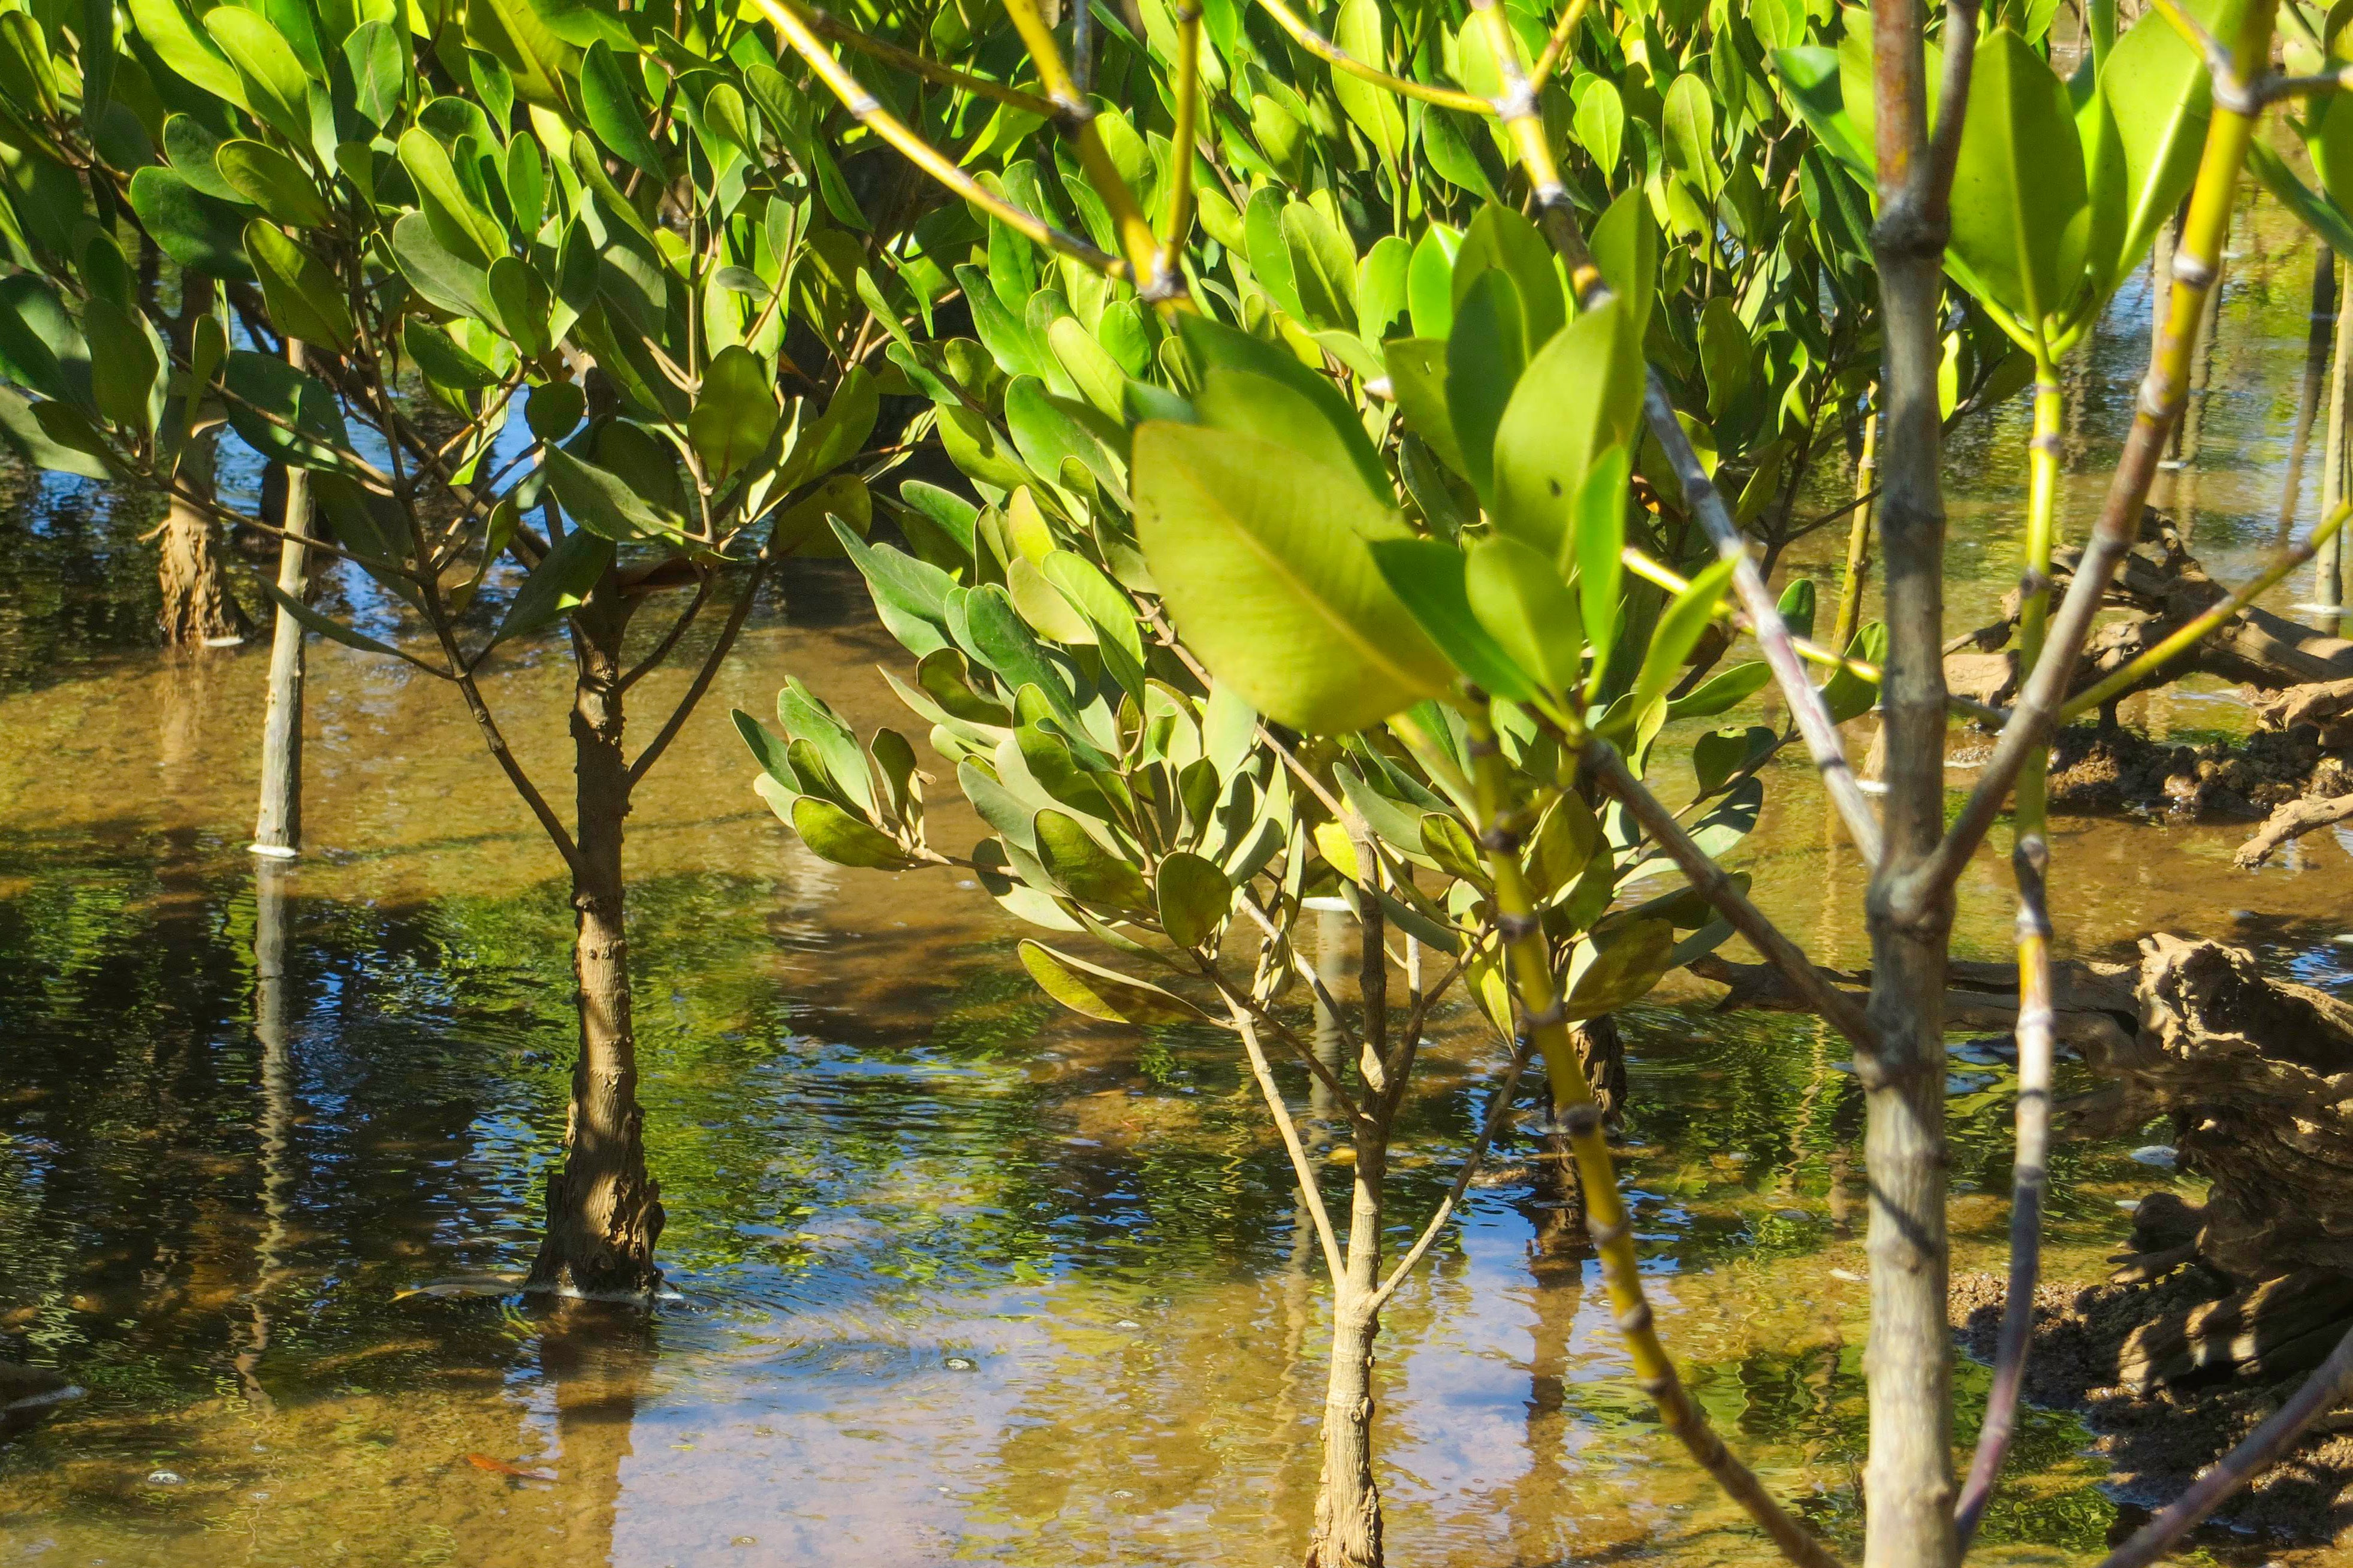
2162	586
2257	1075
2275	1328
2293	820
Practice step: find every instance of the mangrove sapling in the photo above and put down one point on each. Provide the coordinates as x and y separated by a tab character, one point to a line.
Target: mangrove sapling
1133	797
278	823
2018	241
586	259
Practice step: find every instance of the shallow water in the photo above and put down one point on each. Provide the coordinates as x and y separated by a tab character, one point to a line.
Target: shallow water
958	1278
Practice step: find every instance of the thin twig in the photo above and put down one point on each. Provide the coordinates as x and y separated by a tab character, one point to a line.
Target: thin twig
1609	769
2030	1181
2329	1386
2182	638
1497	1109
1324	48
1300	1167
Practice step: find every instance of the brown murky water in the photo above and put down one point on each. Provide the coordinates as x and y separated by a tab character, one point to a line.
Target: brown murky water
958	1279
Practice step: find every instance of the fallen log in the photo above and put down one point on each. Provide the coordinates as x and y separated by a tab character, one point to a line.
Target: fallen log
2092	1003
2163	588
2292	820
2256	1077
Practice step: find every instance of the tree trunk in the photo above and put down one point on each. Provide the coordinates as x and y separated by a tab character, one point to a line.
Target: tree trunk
1348	1505
604	1213
197	607
1560	1224
278	828
1908	1482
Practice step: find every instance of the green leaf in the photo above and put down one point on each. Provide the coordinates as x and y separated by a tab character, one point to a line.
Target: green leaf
1689	118
1727	689
734	413
1193	898
1501	237
326	626
554	411
378	63
1846	694
1358	29
41	346
1323	267
1601	122
612	111
464	229
1607	977
1625	250
523	303
2021	213
124	363
1519	597
272	182
1680	627
1797	607
1427	576
1381	286
602	502
1092	874
443	361
201	233
1262	559
1725	355
1599	546
561	580
766	748
1097	375
2156	91
1429	283
1484	358
1720	753
21	430
1214	346
303	298
273	82
1093	992
446	280
832	834
164	26
306	428
1580	397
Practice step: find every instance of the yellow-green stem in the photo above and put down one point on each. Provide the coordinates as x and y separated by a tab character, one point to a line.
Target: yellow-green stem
2034	604
1858	535
2180	639
1078	124
1543	1017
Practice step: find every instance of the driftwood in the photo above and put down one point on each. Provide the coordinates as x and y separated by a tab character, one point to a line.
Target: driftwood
2256	1076
2164	587
2092	1003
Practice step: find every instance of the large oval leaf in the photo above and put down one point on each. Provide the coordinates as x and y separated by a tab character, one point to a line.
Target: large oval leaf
1261	559
1581	395
2021	213
1095	992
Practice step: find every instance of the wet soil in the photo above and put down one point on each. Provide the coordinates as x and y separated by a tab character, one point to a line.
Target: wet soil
2160	1439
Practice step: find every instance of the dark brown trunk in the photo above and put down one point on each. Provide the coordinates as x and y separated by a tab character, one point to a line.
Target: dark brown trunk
1560	1222
604	1213
197	607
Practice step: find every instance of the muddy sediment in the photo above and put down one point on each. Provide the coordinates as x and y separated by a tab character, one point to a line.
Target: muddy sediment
2092	770
2160	1439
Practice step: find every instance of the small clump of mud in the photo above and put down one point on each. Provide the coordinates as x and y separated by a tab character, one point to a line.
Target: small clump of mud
2160	1439
2117	769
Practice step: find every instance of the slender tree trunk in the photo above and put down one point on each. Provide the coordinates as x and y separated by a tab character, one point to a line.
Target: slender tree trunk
604	1213
197	607
278	829
272	1027
1348	1507
1907	1363
2320	330
2328	571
